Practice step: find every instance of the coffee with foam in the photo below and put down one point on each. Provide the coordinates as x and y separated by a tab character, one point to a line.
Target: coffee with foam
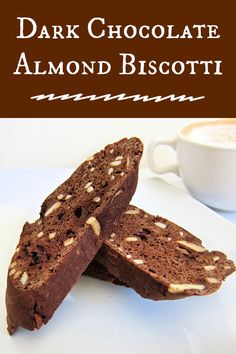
221	132
206	160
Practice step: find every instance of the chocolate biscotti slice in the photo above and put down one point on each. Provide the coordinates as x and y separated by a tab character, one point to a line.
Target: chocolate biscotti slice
159	259
74	222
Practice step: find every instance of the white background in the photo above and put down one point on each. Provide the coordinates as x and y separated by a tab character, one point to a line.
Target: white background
66	142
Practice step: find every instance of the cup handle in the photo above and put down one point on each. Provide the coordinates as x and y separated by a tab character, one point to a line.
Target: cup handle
151	161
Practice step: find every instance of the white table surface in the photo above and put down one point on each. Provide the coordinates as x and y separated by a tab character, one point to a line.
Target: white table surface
231	216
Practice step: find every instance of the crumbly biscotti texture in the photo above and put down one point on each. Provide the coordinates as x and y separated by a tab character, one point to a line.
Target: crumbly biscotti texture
159	259
74	222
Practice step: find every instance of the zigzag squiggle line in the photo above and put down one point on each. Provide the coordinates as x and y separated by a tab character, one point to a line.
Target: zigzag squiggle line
119	97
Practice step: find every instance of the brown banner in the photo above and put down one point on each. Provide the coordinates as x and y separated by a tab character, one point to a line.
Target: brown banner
118	59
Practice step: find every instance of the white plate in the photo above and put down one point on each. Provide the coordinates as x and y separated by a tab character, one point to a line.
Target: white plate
97	317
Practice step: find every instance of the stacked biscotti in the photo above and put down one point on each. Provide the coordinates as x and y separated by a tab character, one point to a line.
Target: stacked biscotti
87	225
74	222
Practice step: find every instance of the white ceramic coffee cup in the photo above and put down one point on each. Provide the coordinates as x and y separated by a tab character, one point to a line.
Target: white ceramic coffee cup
208	171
